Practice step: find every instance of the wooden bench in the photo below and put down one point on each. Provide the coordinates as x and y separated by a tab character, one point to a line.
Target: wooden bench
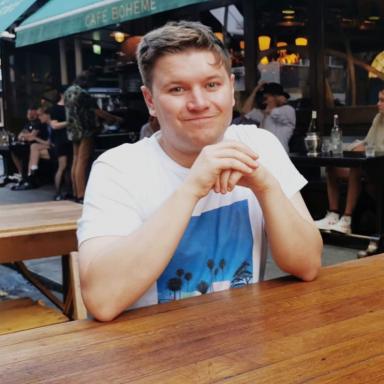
21	314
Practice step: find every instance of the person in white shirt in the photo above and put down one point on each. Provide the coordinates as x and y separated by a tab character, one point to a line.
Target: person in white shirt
188	210
277	116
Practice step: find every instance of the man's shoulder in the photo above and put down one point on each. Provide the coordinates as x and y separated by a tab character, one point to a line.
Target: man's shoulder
246	132
126	155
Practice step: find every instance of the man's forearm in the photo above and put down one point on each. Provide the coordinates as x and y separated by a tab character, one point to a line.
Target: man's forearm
295	242
116	274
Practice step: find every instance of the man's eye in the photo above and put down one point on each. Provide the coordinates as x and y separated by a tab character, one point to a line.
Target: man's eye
212	85
177	89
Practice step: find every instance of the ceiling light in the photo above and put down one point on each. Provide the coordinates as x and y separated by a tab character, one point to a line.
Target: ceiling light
288	11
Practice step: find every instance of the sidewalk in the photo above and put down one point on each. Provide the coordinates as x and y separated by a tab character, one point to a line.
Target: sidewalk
12	285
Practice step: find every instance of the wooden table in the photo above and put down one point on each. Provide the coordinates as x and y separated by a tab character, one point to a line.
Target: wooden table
35	230
280	331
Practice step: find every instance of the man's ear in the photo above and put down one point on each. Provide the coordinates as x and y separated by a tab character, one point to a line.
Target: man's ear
232	78
147	94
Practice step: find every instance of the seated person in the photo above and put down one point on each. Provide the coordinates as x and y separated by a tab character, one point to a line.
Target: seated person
20	149
40	146
198	192
332	220
56	147
275	115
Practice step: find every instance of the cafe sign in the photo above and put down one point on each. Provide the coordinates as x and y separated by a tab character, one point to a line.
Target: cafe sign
58	18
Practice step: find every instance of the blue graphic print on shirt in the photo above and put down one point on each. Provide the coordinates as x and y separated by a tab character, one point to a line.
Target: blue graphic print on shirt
214	253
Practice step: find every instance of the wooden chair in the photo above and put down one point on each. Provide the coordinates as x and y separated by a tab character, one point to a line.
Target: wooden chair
24	313
75	299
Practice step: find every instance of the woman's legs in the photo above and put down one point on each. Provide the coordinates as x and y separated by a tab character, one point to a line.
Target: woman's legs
73	168
62	165
334	174
81	158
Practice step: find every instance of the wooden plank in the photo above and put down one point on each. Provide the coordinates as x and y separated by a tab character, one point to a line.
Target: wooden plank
33	314
281	331
45	216
15	303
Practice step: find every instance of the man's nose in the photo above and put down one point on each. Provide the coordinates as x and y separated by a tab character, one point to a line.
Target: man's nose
198	100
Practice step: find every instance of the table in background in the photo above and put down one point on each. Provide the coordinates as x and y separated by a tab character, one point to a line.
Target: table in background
373	166
278	331
35	230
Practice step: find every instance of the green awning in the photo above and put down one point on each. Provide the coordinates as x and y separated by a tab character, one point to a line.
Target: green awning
11	10
60	18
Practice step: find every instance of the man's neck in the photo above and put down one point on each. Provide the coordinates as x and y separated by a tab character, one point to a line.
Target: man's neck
184	159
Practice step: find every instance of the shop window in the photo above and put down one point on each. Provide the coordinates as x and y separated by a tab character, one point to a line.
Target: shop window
353	48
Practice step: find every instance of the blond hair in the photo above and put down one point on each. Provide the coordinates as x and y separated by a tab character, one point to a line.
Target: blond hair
176	37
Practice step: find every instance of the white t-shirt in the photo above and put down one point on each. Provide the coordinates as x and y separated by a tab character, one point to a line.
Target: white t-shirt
224	244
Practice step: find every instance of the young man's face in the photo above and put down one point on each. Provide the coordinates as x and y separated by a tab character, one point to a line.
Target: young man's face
192	97
380	103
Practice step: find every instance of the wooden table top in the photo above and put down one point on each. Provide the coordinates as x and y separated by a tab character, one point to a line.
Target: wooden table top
34	230
47	216
280	331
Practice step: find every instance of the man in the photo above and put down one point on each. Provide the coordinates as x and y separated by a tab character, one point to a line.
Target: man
186	211
32	132
277	117
333	221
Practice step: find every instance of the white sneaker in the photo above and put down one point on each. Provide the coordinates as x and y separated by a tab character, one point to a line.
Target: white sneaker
330	219
371	249
343	225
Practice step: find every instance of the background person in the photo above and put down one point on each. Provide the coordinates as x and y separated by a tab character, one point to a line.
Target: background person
20	149
333	221
62	146
82	114
195	199
275	115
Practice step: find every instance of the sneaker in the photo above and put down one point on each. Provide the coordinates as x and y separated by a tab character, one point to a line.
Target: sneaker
371	249
23	186
343	225
331	218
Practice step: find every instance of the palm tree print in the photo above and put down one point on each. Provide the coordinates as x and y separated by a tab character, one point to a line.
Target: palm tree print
174	285
202	287
188	277
242	276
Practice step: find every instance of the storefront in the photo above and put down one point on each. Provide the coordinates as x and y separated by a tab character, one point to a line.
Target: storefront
325	53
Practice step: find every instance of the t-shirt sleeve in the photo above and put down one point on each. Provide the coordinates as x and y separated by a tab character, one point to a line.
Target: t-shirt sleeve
284	115
110	208
274	157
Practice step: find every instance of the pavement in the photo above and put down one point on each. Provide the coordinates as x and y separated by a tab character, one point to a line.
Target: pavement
13	285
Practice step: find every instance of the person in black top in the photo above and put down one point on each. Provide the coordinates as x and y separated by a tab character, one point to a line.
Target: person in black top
62	146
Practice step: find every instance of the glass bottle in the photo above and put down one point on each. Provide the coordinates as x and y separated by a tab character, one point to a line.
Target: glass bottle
312	139
336	137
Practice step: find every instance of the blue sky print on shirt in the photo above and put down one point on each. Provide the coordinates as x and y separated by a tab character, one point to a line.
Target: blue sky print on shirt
215	253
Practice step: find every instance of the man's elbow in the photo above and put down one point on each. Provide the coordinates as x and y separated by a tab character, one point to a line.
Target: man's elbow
312	271
101	310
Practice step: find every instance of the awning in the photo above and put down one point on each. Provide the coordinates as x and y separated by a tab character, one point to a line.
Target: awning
60	18
11	10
